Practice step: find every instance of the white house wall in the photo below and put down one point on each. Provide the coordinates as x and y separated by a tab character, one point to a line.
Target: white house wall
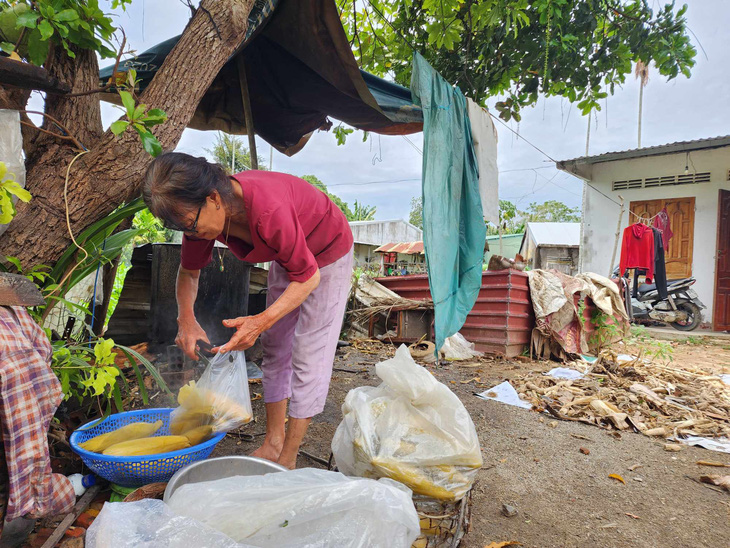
385	232
600	215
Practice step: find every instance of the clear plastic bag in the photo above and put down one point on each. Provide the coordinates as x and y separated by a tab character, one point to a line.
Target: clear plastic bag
149	523
220	398
11	149
412	429
457	347
303	508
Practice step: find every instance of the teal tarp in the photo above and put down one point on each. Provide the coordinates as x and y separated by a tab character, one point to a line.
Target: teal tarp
453	227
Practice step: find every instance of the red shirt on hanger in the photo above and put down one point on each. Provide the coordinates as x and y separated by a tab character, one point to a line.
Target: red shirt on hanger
637	249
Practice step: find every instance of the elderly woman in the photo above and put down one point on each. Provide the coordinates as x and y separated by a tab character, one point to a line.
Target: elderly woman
264	216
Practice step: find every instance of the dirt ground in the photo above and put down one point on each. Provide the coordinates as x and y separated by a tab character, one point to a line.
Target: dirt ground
564	497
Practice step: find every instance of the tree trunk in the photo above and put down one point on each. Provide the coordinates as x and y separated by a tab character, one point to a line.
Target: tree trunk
111	172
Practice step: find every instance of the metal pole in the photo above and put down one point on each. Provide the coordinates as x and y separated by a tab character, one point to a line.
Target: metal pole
271	158
641	103
247	113
615	243
233	154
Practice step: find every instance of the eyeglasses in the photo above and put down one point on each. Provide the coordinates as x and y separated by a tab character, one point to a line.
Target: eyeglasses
191	230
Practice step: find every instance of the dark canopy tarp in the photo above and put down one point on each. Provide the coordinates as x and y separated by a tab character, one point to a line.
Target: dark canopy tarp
300	71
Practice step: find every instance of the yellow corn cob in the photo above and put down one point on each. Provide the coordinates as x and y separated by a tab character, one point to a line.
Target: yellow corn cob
413	477
207	407
199	434
148	446
179	427
129	432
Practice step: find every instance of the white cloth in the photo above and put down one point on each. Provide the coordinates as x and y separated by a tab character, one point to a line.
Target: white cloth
484	135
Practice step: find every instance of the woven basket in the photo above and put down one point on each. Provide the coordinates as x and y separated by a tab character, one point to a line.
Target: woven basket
443	523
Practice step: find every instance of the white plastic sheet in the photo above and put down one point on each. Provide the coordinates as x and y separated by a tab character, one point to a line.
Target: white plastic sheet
713	444
565	373
412	429
303	508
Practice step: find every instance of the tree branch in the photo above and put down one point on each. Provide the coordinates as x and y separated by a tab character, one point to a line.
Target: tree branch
68	136
112	80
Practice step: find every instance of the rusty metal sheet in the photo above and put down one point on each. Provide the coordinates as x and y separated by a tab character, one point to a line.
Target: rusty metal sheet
404	248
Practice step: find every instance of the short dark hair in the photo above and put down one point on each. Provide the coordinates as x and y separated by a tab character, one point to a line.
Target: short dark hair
177	183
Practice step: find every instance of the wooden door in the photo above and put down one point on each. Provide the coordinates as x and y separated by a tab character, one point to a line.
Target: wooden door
722	276
682	221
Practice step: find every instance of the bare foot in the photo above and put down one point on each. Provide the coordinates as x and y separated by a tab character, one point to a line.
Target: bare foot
291	464
269	451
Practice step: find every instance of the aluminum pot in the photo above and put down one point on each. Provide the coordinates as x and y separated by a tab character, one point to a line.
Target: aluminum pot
218	468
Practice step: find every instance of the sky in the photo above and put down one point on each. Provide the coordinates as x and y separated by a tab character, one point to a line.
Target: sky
385	171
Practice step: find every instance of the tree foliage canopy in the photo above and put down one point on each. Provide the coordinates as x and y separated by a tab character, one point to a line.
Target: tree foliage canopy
29	27
416	215
578	49
359	212
513	220
230	152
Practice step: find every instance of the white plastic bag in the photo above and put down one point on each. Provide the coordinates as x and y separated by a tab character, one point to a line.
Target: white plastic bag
11	149
412	429
150	523
220	398
457	347
303	508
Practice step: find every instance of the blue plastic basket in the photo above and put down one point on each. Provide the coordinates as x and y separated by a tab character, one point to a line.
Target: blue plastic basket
138	471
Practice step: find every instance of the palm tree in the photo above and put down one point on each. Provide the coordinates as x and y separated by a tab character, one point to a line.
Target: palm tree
642	73
362	212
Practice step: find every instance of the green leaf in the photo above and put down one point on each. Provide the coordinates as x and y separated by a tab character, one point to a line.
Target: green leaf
7	209
37	48
14	188
66	15
15	262
46	29
103	349
119	126
138	374
69	304
147	365
139	111
154	117
27	20
118	397
96	233
7	47
128	102
150	143
157	113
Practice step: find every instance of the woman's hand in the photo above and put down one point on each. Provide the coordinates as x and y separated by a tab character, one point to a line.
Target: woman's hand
248	329
188	333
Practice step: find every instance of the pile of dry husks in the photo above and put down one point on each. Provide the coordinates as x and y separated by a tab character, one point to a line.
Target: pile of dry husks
651	398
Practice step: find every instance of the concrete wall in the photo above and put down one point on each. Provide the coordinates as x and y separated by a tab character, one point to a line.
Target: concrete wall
600	215
510	246
383	232
364	255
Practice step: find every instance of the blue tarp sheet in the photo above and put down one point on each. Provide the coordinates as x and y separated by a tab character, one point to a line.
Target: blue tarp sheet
453	227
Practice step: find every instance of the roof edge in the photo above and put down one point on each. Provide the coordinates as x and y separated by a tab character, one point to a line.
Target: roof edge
659	150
